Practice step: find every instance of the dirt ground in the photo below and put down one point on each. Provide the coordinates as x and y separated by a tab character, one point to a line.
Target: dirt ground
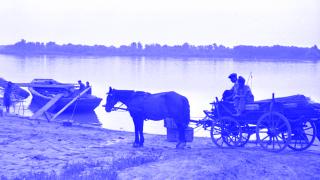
32	147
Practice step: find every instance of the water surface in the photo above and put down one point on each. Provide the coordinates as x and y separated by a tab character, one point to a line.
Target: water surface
200	80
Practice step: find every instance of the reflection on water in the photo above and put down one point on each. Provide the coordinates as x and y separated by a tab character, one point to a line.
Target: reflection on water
200	80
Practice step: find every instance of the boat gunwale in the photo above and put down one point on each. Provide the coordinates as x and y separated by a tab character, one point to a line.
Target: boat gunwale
33	91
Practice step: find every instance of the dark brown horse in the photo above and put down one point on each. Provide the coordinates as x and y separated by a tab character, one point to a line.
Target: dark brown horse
142	105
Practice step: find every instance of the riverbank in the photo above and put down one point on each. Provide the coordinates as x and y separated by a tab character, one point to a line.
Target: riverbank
40	150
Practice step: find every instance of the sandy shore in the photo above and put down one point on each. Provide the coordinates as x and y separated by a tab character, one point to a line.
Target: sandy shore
34	150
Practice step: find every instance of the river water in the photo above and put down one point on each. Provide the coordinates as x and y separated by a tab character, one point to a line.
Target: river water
200	80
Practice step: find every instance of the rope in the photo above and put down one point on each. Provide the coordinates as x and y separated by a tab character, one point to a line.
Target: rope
117	108
74	108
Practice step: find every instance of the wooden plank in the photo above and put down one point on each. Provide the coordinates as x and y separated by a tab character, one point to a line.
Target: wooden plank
70	103
46	106
46	85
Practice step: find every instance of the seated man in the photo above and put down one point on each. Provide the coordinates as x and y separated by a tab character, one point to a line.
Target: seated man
229	94
243	95
89	92
81	86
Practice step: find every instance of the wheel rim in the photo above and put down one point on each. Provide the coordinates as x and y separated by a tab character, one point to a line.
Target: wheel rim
245	135
231	132
303	135
215	133
273	132
226	131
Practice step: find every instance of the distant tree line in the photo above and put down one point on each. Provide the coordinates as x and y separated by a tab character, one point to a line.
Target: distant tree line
186	50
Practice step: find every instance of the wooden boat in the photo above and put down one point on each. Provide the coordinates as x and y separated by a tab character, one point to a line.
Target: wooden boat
44	90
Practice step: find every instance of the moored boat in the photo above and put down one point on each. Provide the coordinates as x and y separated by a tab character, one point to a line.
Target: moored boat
44	90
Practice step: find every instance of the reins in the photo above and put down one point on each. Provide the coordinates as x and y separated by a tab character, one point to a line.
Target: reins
121	108
125	109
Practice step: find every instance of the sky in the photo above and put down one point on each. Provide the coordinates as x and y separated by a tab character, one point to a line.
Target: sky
198	22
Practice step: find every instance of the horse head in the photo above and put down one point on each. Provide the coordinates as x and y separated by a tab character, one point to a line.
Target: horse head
111	100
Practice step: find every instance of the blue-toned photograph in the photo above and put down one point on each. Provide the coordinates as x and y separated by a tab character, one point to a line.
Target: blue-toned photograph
159	89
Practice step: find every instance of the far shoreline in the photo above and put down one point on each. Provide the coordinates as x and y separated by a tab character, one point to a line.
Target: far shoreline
186	50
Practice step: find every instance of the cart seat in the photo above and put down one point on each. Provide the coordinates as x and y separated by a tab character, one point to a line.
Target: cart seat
252	107
290	105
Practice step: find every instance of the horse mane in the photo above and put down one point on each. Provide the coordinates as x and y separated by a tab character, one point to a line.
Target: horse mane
126	94
141	93
123	91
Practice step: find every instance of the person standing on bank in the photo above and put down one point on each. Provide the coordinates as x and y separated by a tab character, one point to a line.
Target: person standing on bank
7	96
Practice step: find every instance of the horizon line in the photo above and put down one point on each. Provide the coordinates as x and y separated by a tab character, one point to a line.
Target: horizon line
143	44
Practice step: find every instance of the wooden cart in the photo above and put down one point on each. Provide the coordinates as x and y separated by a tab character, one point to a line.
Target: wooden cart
277	123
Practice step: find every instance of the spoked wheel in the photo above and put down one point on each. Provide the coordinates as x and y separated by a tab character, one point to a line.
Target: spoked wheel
216	134
303	135
245	135
226	130
273	132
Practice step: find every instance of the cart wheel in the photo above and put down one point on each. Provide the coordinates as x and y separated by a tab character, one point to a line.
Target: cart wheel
303	135
317	124
232	132
226	130
215	134
245	135
273	132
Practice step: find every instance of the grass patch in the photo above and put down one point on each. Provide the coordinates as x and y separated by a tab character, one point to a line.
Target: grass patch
90	170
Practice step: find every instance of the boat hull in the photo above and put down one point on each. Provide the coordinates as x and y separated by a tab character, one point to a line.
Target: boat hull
80	105
85	103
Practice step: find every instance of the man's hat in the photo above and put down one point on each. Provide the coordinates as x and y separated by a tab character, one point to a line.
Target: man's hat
233	75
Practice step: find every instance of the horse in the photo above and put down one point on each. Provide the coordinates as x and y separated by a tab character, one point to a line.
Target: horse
143	105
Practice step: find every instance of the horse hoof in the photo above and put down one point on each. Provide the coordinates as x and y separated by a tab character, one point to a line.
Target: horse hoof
181	145
135	145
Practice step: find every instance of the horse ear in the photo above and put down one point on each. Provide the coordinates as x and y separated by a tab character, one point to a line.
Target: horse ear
110	89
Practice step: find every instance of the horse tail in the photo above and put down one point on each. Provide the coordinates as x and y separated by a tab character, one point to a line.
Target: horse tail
186	112
178	108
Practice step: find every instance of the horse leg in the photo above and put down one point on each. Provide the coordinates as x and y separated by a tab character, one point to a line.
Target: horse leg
136	133
141	133
182	137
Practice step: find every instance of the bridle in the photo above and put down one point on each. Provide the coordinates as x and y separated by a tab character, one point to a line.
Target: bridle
117	108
